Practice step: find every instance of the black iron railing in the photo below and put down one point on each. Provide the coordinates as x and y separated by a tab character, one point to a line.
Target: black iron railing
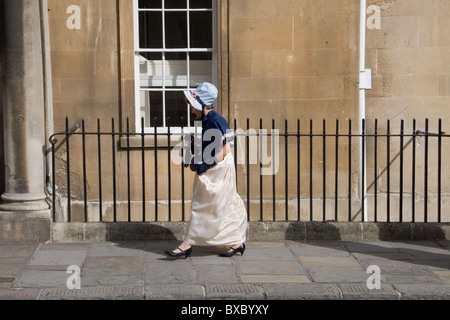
359	174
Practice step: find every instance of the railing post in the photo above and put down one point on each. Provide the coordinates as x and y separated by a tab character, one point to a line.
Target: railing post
260	174
324	168
155	135
401	171
388	163
169	191
336	171
310	170
128	171
425	191
143	167
286	182
375	173
69	206
53	141
350	170
248	167
273	173
182	173
83	136
113	138
100	197
363	171
413	178
298	170
439	169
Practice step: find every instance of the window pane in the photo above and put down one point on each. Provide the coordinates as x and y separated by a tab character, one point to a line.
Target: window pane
200	55
176	109
176	69
176	30
175	4
193	119
150	70
200	64
156	109
150	4
150	30
201	30
152	55
197	4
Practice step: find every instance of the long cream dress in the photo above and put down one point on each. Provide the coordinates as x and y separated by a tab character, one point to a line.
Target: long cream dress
219	217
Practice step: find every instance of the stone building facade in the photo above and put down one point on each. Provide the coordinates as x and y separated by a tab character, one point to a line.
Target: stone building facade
272	60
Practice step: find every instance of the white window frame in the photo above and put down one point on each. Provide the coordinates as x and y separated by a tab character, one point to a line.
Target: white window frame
138	50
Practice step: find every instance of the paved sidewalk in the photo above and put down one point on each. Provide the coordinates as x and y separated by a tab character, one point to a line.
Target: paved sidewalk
138	270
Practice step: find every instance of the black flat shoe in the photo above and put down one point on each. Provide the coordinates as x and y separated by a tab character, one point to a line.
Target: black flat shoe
185	253
231	253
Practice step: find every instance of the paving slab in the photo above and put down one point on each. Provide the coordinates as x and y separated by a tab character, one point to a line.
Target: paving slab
57	258
444	275
429	254
319	250
155	256
115	280
174	292
42	279
267	253
215	274
389	264
66	246
267	243
328	261
126	248
20	294
337	274
356	291
383	255
208	259
370	246
113	265
169	272
274	278
269	267
298	291
234	291
404	270
434	264
12	266
17	250
423	291
415	244
408	279
94	293
7	282
444	244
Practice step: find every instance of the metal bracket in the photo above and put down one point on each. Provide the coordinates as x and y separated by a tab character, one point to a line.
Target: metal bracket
365	79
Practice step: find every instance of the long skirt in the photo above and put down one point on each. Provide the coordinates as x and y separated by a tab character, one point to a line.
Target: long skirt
219	217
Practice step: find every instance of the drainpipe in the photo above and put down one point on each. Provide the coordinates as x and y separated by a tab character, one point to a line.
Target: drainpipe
365	83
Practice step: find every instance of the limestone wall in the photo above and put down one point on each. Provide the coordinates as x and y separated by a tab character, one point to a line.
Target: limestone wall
277	59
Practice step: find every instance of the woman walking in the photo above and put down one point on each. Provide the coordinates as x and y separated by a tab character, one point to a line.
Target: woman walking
219	217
